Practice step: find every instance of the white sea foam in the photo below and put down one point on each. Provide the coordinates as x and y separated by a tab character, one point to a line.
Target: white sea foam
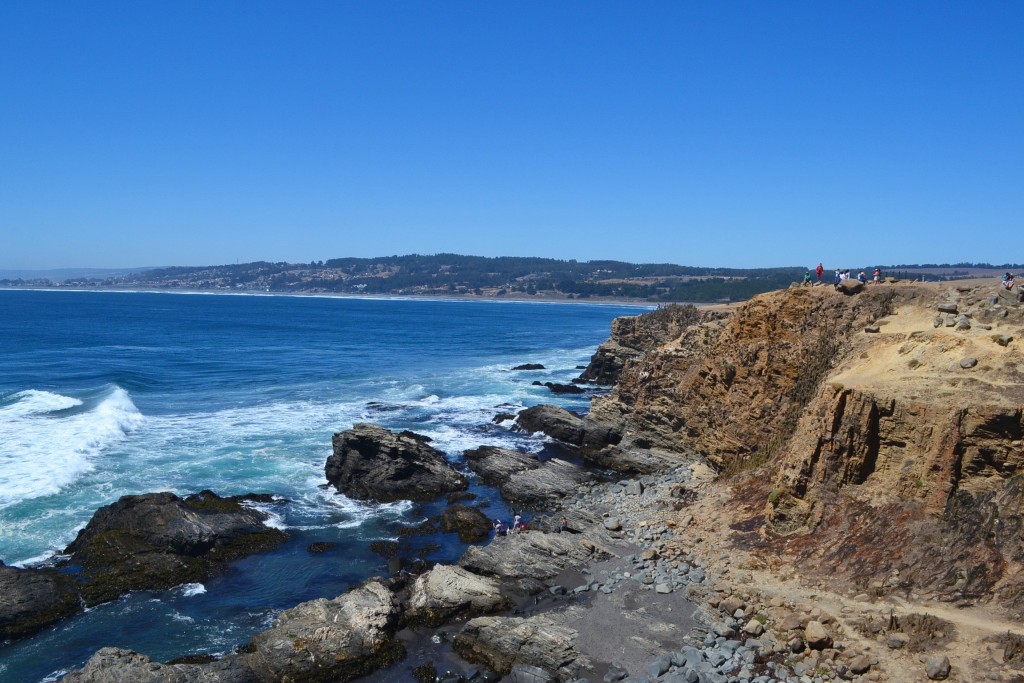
50	441
190	589
274	518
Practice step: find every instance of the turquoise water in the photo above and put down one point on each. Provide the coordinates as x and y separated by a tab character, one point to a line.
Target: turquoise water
108	394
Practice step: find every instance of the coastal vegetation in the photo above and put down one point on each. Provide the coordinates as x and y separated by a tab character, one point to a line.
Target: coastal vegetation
477	276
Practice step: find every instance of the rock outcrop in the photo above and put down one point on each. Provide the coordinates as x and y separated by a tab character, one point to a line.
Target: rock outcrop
896	452
632	337
317	641
528	559
447	592
558	423
496	465
372	463
158	540
31	599
522	478
504	642
330	640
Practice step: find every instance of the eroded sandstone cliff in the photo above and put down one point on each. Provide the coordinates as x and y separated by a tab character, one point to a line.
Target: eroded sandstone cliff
884	429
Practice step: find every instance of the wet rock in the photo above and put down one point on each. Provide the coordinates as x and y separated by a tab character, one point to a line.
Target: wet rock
159	540
561	388
318	547
372	463
469	523
31	599
446	592
529	366
558	423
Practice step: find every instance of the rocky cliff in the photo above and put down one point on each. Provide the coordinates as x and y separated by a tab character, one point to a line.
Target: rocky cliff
883	429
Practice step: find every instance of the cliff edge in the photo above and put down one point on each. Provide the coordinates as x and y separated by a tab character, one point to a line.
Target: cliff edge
874	438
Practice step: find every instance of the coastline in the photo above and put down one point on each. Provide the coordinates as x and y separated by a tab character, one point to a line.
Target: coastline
593	301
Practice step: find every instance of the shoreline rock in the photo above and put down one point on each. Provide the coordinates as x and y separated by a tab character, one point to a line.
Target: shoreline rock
372	463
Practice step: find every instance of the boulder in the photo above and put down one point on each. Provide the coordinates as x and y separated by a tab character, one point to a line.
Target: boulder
562	388
816	636
372	463
31	599
330	640
558	423
947	308
495	465
158	540
469	523
503	643
937	667
447	592
850	286
529	366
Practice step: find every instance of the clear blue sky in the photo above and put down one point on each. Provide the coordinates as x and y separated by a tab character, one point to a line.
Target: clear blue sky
701	133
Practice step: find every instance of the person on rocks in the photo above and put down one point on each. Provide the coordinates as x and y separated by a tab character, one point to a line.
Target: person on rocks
877	276
499	528
516	521
807	279
564	528
1008	281
861	277
819	271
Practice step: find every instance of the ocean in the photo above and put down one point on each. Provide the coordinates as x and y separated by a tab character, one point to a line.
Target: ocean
104	394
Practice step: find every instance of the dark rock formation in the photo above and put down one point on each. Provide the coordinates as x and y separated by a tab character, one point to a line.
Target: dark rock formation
31	599
560	388
556	422
447	592
469	523
372	463
159	540
529	366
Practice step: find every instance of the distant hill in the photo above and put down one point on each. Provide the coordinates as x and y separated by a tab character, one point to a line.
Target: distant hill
454	275
61	274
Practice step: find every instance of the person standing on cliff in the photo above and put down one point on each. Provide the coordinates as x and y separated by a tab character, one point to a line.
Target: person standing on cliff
820	270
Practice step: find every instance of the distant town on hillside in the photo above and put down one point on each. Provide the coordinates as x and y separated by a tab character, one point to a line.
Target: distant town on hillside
451	275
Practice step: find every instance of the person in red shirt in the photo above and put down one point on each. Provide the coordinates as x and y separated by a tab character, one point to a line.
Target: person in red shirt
819	270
